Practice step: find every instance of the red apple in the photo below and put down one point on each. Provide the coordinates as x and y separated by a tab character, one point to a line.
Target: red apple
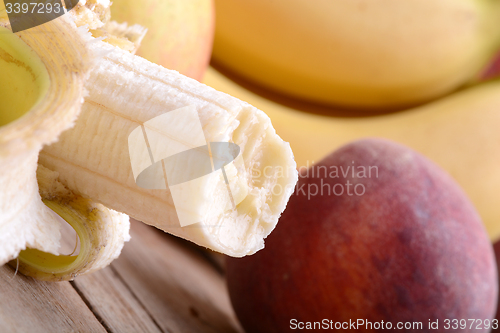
395	240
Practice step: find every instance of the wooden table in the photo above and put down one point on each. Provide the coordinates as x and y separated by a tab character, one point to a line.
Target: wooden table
159	284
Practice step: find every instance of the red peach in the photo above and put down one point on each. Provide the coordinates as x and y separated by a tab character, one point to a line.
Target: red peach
410	248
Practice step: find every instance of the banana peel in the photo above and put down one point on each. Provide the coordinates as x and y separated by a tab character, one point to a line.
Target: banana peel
45	69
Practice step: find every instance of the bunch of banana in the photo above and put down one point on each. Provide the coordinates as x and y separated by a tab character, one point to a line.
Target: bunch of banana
64	77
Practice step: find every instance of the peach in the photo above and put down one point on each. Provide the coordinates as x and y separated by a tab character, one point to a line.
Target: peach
180	32
374	235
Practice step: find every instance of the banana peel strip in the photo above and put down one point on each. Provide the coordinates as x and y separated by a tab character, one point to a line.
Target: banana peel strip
102	233
26	221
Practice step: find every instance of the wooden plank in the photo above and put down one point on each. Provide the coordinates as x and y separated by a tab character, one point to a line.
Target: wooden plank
159	284
113	303
181	290
28	305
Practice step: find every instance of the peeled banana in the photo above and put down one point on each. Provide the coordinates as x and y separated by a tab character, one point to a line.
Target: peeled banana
64	70
100	169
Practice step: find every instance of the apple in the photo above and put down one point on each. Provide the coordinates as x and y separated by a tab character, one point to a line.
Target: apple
180	32
374	234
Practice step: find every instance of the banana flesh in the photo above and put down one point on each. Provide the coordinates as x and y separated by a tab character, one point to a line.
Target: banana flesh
124	92
96	15
93	14
121	35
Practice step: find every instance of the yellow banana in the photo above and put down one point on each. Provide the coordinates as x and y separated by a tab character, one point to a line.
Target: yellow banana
361	54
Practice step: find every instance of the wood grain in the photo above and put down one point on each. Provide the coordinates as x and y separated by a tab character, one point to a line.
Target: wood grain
159	284
28	305
180	289
113	304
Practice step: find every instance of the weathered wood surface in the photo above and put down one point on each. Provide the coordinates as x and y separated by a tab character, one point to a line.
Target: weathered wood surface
113	303
27	305
159	284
